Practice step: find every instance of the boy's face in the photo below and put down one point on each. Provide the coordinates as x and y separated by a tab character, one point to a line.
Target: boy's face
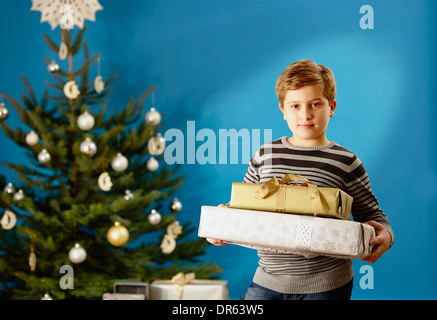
307	112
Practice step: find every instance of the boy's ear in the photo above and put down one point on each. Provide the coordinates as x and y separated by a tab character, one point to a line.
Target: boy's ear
282	110
333	106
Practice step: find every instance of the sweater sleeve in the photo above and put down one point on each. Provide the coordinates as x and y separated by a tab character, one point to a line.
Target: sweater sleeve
252	174
365	206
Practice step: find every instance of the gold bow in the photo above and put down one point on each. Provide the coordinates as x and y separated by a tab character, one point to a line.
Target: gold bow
275	185
180	280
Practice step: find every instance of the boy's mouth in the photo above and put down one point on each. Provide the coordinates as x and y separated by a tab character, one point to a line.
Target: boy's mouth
306	126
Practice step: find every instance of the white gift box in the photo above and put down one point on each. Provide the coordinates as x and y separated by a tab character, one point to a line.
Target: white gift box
290	233
198	290
123	296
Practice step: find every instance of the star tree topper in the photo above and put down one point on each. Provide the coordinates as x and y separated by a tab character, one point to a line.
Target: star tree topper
67	12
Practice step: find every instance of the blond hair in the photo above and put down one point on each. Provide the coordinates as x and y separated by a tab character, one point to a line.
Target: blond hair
305	73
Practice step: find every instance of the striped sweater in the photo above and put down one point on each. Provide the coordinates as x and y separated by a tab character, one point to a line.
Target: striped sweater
327	166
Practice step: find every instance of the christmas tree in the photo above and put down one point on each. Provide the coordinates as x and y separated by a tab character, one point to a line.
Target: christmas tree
94	190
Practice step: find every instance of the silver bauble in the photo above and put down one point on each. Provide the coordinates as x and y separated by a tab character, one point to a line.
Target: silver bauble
9	188
88	147
152	164
32	138
53	67
4	112
77	254
47	297
176	205
119	162
153	117
154	217
19	195
128	195
85	121
44	156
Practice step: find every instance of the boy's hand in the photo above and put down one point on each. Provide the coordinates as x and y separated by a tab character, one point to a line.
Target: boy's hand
218	242
380	243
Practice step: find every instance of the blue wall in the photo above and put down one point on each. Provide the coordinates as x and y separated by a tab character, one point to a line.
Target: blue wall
216	63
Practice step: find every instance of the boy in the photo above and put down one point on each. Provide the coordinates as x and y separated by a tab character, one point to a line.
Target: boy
306	93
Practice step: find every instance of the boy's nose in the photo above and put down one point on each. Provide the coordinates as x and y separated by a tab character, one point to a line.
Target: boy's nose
305	113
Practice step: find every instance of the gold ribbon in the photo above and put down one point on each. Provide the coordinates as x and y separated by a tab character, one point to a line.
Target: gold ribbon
275	185
180	280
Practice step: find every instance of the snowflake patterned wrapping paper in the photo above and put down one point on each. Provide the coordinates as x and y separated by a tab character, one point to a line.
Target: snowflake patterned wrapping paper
288	233
334	203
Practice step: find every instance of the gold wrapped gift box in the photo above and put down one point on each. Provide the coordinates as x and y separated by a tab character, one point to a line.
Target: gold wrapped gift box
280	196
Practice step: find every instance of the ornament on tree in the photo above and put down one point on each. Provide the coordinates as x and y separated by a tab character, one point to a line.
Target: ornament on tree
175	205
63	51
156	145
104	181
152	164
71	90
4	112
9	188
84	9
154	217
19	195
77	254
169	241
53	67
32	258
8	220
99	85
32	138
67	19
118	234
119	162
44	156
153	117
128	195
88	147
47	296
85	121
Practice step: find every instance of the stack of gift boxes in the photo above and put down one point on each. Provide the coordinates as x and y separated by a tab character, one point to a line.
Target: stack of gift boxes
181	287
290	215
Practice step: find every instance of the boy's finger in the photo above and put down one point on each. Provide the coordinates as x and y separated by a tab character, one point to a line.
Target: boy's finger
376	240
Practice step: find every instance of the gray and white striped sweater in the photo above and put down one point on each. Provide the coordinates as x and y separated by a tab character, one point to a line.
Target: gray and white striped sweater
327	166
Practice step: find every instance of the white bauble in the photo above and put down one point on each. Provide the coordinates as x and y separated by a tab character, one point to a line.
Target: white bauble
32	138
128	195
77	254
153	117
154	217
88	147
176	205
19	195
4	112
119	162
152	164
85	121
44	156
9	188
53	67
47	297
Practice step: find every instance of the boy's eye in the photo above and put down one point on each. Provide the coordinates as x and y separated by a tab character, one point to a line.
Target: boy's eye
315	104
294	106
